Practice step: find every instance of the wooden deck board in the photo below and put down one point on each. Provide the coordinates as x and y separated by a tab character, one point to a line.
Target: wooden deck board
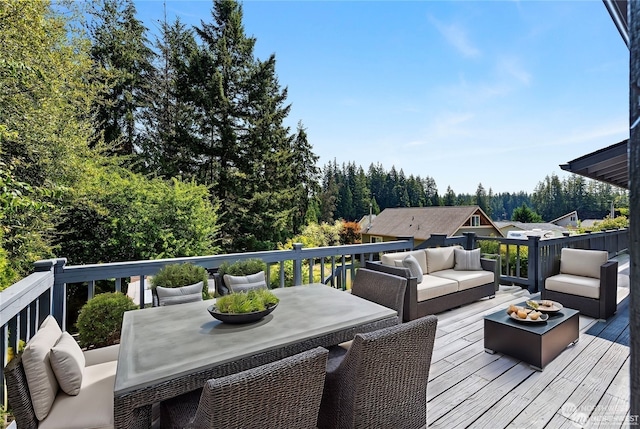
471	388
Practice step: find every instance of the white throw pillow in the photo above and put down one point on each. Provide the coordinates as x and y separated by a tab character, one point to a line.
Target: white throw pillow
179	295
42	382
245	283
67	361
467	260
414	267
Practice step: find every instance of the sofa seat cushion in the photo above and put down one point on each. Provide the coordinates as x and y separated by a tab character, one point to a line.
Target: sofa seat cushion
581	262
466	279
92	408
391	258
440	258
587	287
433	287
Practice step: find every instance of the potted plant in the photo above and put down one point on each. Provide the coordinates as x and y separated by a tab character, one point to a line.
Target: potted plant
243	307
240	268
100	319
185	275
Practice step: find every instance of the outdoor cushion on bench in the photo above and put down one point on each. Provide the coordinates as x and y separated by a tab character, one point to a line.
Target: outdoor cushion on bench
91	408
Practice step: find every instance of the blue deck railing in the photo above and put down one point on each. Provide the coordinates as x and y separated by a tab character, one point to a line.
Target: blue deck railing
25	304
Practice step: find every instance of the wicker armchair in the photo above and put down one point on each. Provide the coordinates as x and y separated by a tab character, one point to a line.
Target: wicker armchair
381	288
585	280
282	394
382	380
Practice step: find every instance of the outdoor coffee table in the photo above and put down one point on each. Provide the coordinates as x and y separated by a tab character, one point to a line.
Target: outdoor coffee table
534	343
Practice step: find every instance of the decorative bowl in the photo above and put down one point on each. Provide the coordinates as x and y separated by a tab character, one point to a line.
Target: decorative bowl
236	318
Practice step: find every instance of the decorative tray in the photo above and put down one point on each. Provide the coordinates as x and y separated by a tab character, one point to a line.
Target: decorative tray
545	306
541	318
236	318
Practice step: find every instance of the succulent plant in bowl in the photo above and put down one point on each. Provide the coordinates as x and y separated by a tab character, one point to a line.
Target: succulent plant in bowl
244	307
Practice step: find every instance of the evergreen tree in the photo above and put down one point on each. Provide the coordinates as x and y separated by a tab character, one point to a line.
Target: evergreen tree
482	200
526	215
449	198
168	140
124	71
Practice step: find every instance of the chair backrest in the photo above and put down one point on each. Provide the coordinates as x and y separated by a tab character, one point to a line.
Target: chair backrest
282	394
18	394
582	262
381	288
383	377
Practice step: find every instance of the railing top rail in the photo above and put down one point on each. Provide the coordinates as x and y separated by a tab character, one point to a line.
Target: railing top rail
14	299
352	249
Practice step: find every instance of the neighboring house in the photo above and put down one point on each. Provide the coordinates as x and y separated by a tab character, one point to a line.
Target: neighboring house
366	221
568	220
589	223
420	222
542	229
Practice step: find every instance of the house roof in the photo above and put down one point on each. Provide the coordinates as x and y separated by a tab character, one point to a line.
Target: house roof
575	212
531	226
421	222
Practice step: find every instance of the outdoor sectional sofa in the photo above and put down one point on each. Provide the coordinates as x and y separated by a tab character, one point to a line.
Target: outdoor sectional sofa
444	282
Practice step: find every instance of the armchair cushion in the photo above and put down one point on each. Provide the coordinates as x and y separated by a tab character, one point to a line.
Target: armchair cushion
245	283
179	295
467	260
68	363
574	285
41	379
581	262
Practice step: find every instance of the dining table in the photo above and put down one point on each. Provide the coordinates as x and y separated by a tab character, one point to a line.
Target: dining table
168	351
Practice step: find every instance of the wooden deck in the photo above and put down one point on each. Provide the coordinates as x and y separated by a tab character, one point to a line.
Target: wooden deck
586	386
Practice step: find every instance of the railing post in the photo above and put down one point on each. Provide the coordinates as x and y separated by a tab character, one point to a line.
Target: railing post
533	270
471	240
59	291
297	264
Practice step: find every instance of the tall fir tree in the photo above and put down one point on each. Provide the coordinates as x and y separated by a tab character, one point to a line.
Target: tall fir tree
123	62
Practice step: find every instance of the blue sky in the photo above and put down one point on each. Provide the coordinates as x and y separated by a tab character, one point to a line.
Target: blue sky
466	92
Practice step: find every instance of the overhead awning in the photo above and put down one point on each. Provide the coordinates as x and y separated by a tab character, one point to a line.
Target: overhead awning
618	11
609	165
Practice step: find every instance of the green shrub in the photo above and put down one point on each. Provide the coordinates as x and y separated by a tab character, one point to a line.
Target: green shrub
100	320
242	268
246	302
178	275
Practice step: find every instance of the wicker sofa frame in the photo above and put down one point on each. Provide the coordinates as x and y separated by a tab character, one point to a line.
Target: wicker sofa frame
414	309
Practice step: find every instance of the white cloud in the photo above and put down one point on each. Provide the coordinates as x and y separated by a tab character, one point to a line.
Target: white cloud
511	67
457	37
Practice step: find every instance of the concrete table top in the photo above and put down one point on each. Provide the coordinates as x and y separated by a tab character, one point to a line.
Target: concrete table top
163	343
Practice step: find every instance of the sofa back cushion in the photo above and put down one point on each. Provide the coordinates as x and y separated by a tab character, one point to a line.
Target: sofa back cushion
440	258
42	382
467	260
67	362
412	264
391	258
582	262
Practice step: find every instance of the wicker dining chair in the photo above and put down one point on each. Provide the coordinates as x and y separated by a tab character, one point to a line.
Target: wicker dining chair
281	394
381	382
382	288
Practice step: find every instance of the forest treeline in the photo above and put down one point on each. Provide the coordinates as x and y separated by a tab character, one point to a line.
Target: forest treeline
119	144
